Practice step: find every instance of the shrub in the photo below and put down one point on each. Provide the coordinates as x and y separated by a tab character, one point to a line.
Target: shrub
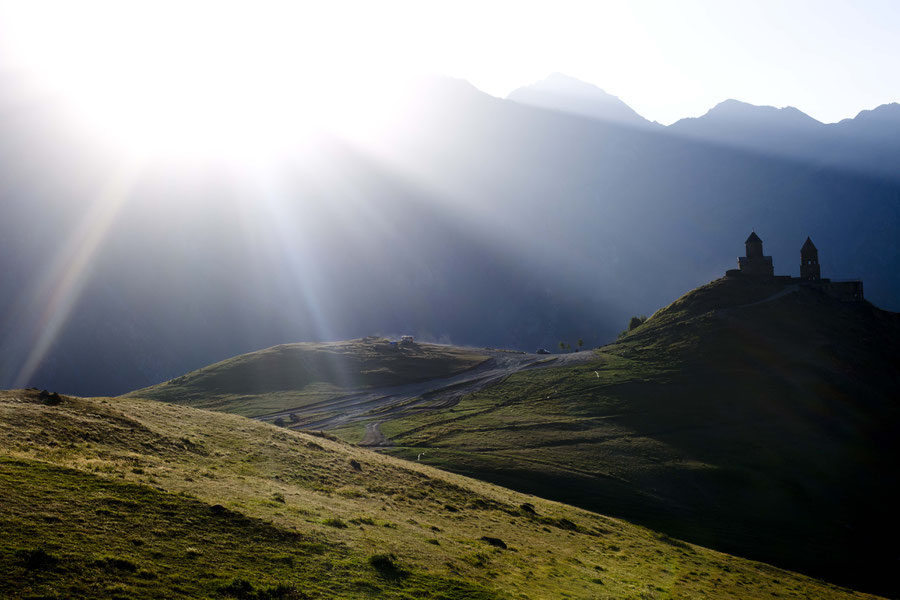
477	559
238	588
673	542
386	565
119	564
36	559
334	522
636	322
496	542
244	590
566	524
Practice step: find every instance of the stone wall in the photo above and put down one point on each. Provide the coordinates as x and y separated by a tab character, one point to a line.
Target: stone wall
846	291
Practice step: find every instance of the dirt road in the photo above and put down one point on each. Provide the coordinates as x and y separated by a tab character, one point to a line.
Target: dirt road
378	405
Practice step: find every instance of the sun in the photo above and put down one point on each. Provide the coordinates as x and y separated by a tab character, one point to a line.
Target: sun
188	79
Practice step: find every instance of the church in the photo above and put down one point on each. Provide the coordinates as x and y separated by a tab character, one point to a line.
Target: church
756	265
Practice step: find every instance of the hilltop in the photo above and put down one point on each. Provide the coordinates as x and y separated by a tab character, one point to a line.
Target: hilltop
292	376
753	417
354	384
129	498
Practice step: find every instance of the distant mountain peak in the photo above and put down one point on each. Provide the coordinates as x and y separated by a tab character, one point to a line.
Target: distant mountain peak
573	84
886	114
567	94
735	110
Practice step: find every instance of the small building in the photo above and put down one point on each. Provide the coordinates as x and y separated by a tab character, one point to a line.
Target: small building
755	264
406	339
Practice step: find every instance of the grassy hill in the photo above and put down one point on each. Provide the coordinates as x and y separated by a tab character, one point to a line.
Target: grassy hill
292	375
754	418
128	498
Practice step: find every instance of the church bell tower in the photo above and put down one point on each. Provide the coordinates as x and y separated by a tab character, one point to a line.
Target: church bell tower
809	262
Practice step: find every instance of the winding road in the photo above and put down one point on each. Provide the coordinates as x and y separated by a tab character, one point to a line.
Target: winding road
377	405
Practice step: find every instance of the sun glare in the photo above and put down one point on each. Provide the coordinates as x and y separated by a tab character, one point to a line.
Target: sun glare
190	79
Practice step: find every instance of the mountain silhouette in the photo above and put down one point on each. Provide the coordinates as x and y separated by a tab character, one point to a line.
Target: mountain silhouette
476	220
784	131
567	94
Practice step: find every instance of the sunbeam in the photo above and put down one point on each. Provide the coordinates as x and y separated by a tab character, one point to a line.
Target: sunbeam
59	288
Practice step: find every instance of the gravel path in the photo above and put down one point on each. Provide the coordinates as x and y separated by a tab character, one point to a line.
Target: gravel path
378	405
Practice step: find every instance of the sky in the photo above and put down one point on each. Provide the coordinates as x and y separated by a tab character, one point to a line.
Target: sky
666	59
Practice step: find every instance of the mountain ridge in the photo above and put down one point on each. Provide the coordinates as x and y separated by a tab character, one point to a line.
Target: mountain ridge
477	223
732	109
866	142
558	84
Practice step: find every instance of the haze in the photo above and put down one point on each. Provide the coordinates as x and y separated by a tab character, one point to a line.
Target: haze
187	181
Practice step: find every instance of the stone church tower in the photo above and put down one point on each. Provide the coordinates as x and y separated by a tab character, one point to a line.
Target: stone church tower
755	263
809	262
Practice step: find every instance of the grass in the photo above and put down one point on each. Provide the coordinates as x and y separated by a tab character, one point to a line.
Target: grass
127	498
117	539
763	430
295	375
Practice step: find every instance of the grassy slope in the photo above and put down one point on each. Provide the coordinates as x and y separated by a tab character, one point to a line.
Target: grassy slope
292	375
765	430
127	498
